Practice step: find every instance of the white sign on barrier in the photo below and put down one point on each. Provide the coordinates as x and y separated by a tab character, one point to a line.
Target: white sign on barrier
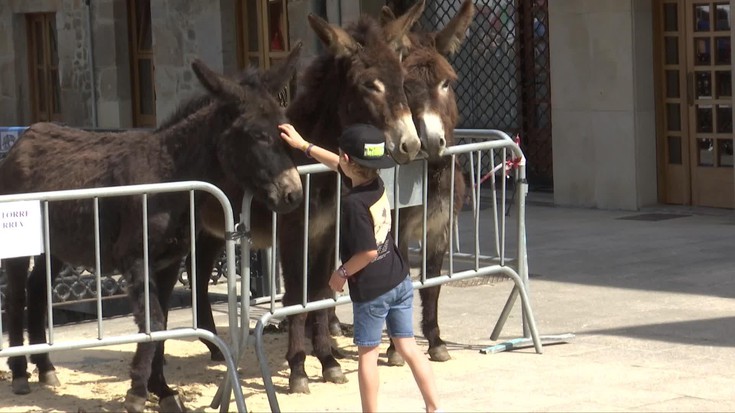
21	233
410	178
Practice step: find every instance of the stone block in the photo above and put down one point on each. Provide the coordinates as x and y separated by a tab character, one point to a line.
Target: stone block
8	114
7	78
37	6
108	83
103	11
167	47
105	44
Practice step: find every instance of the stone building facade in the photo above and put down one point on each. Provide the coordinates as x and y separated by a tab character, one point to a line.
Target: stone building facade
93	40
630	128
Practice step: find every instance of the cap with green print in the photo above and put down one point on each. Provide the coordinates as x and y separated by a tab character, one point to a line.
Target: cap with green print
365	145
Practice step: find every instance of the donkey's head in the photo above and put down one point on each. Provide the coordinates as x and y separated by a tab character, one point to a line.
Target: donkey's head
430	77
370	68
251	152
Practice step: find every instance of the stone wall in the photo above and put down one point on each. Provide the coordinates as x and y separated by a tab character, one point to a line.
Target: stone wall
74	65
603	115
112	64
73	52
8	80
182	31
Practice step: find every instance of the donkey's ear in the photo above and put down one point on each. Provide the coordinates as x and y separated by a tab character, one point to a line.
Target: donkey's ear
215	84
386	15
338	41
278	77
396	29
452	35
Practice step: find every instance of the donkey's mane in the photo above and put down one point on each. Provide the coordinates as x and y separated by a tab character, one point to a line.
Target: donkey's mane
365	30
429	64
320	84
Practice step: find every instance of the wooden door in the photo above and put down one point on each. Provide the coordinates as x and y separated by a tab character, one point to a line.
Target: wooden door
142	68
43	63
695	106
262	35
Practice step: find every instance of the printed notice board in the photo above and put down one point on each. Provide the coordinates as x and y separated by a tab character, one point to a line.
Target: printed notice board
21	231
410	186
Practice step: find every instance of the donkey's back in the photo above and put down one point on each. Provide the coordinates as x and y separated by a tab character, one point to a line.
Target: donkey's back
50	157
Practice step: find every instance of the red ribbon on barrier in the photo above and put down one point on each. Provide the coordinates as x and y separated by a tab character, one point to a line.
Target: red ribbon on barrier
513	163
510	164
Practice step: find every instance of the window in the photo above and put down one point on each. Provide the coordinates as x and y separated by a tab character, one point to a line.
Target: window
142	69
43	64
262	35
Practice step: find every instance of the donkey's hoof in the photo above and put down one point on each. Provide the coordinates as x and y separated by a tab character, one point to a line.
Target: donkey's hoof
439	353
49	378
395	359
216	355
335	329
334	375
21	386
134	403
298	385
172	404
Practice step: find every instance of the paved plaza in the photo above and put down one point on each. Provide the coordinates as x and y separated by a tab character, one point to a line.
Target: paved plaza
647	294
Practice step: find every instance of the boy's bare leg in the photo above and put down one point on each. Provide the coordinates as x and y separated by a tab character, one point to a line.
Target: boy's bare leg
421	369
367	374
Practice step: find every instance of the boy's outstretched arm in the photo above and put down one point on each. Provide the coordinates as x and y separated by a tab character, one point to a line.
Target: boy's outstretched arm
293	138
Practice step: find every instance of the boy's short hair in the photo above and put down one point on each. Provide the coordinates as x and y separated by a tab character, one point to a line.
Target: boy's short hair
365	145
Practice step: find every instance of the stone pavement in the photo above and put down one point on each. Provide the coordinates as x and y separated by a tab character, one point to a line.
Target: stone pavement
647	294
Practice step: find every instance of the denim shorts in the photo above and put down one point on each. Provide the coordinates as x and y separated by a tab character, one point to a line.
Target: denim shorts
394	308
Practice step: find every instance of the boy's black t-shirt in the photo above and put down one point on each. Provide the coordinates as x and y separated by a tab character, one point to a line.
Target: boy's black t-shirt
366	223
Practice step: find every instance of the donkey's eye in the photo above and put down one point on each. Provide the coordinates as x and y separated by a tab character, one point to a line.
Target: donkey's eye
375	86
445	84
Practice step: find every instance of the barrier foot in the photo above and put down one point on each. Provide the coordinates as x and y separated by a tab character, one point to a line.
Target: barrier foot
505	313
222	398
270	389
525	342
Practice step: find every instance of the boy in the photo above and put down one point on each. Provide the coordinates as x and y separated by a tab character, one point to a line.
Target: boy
380	288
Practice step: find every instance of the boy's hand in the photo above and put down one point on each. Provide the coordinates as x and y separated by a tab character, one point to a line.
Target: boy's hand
293	138
336	282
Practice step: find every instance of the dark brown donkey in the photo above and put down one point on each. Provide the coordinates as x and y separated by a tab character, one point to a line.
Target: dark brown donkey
358	78
428	85
228	135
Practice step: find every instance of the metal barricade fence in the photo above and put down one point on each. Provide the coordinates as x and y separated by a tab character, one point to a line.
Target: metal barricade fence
95	194
497	262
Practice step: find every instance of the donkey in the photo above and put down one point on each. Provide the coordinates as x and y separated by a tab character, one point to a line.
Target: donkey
229	135
433	104
428	86
358	79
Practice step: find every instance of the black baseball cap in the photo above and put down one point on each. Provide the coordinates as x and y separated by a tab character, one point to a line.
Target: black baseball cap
365	144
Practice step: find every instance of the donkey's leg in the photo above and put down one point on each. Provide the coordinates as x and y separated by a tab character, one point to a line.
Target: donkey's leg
322	265
208	248
141	367
291	246
298	381
335	327
168	398
37	310
322	344
430	296
16	270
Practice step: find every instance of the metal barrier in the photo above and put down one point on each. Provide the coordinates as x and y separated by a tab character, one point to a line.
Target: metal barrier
512	164
236	330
